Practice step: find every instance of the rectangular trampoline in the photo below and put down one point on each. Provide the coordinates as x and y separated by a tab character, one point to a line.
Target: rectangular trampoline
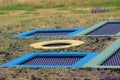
109	58
57	60
114	60
52	60
49	33
110	28
105	28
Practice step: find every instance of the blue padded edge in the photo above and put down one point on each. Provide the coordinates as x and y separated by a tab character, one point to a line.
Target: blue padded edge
75	32
24	34
79	64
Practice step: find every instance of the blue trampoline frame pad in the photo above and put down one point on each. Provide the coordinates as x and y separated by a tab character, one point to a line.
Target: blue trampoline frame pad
87	56
27	33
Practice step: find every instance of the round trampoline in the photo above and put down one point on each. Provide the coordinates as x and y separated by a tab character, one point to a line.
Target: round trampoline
57	44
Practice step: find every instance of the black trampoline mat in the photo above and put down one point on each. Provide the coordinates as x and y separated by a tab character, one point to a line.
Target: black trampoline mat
110	28
51	33
114	60
56	44
53	61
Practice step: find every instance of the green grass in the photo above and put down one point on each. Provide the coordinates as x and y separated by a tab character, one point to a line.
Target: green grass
4	12
64	8
28	7
78	11
59	4
18	6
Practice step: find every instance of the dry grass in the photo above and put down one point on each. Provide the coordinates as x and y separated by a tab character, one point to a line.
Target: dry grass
58	74
19	1
16	21
19	21
65	3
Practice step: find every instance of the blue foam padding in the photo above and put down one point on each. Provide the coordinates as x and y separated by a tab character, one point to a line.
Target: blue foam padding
107	29
114	60
49	33
78	59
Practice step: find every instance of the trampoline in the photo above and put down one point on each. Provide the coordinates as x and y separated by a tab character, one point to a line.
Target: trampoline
105	28
109	58
52	60
114	60
57	44
49	33
57	60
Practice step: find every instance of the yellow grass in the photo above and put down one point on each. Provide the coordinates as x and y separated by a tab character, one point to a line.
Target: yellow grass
69	3
18	21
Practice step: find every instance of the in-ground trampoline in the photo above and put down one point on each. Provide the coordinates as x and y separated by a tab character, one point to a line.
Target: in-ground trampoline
49	33
105	28
114	60
109	58
57	44
52	60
